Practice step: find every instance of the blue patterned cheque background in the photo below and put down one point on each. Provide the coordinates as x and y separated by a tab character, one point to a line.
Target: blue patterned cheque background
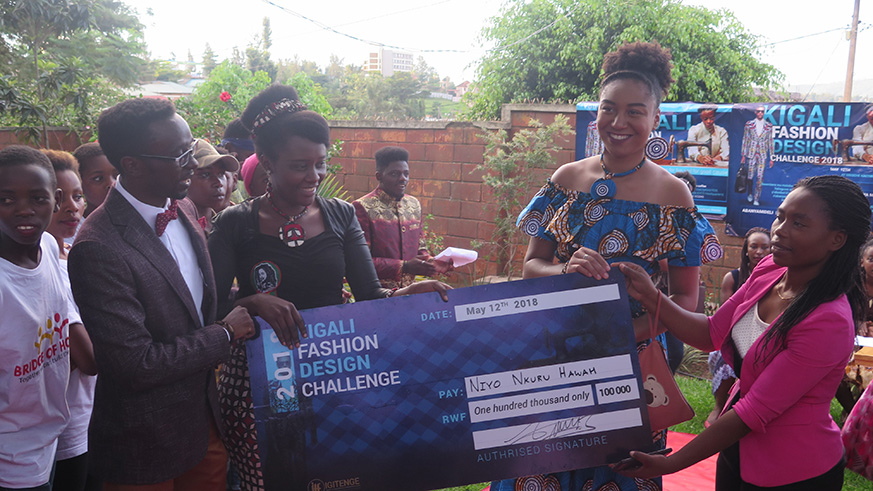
395	437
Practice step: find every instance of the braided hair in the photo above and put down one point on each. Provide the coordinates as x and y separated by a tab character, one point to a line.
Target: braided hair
848	211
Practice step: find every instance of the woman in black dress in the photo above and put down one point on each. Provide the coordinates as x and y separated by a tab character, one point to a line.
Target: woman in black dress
289	250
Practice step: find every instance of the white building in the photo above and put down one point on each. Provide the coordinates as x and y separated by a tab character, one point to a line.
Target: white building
387	62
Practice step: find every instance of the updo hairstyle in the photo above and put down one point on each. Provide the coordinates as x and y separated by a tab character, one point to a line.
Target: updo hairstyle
272	135
648	63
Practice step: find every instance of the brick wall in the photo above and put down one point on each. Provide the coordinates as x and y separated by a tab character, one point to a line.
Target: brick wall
59	139
442	160
443	157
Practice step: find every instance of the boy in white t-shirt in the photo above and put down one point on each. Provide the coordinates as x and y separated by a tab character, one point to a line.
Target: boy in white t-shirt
34	326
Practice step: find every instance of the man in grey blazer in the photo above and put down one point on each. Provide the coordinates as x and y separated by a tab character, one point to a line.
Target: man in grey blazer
143	281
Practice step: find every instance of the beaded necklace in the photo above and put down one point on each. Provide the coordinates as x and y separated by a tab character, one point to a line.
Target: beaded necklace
291	233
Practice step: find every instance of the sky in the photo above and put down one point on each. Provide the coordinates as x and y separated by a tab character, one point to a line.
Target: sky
447	32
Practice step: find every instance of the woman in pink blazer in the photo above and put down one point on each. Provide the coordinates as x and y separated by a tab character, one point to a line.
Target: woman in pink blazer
788	332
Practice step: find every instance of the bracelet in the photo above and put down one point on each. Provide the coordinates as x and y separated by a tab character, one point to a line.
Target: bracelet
564	269
392	292
227	327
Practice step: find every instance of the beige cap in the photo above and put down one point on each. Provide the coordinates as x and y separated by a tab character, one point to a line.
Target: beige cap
207	155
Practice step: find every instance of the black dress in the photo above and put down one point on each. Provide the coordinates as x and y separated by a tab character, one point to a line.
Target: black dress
309	276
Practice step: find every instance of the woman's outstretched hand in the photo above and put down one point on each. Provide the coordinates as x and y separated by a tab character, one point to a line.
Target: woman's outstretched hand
652	466
424	287
639	284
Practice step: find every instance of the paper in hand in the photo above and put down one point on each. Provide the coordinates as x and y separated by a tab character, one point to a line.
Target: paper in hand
457	256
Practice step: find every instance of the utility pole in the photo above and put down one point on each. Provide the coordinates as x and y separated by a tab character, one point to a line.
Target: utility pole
853	40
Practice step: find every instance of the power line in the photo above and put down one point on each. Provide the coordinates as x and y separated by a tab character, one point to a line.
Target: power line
813	35
325	27
824	65
389	14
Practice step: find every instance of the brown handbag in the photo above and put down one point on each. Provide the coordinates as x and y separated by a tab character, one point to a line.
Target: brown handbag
667	406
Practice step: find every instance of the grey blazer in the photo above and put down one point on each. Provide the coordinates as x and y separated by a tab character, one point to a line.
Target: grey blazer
156	386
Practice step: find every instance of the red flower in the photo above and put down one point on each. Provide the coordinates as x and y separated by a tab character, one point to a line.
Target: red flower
225	96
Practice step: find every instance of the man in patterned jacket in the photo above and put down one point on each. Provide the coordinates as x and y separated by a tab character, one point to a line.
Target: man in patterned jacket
757	143
391	221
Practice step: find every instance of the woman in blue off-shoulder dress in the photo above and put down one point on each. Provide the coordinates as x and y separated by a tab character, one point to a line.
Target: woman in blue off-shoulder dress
618	206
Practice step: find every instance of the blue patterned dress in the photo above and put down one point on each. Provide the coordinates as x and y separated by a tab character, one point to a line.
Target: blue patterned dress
631	231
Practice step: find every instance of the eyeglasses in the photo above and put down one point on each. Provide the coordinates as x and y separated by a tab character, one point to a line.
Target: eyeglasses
181	160
759	111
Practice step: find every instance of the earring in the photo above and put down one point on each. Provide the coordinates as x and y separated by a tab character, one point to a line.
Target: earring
656	148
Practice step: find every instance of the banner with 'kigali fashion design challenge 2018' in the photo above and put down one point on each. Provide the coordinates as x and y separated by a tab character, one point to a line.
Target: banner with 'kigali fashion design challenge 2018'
747	157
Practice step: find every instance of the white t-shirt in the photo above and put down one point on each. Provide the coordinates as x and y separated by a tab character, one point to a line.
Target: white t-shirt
34	367
80	396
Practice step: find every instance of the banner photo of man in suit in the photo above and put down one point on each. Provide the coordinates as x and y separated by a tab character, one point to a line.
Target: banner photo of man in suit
757	145
804	139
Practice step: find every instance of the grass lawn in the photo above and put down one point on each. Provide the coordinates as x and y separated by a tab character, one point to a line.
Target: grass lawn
699	396
448	110
698	393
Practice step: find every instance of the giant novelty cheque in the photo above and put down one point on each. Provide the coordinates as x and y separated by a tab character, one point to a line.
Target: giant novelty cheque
504	380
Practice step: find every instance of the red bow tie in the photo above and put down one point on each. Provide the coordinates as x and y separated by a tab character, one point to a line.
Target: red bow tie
166	217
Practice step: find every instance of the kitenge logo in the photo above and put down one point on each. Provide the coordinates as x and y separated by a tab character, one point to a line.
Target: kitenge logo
319	485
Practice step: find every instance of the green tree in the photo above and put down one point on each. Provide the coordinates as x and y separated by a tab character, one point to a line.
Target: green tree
258	53
238	57
71	96
509	167
426	75
208	60
335	68
553	50
374	96
206	113
310	94
104	34
403	88
31	23
287	68
64	56
161	70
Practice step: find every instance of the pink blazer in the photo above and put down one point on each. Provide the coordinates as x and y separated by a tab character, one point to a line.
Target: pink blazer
786	398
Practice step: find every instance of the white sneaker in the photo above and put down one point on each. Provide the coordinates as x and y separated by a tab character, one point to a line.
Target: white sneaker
749	198
756	203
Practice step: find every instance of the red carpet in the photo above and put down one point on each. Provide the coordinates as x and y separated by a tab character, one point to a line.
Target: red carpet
698	477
